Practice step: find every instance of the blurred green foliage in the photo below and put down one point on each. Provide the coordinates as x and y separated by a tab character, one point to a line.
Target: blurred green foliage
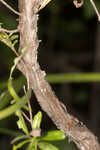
88	9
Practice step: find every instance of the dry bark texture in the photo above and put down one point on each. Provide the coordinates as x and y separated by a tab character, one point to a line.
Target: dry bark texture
75	130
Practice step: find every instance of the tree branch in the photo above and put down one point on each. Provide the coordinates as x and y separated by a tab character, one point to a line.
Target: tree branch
9	7
95	8
73	128
9	31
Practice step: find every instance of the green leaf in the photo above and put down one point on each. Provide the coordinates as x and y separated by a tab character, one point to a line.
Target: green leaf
12	91
21	123
33	145
53	136
10	87
13	37
18	105
6	97
37	120
20	137
47	146
15	42
10	132
7	40
16	60
30	147
15	147
11	109
3	35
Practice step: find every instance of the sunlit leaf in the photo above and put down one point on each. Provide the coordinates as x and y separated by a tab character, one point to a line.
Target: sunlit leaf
18	105
10	86
8	40
33	145
13	37
15	147
21	123
37	120
54	136
12	90
20	137
47	146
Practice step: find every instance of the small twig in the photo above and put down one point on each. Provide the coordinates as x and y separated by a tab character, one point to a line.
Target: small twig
43	4
30	109
95	8
30	112
14	50
9	7
26	117
9	31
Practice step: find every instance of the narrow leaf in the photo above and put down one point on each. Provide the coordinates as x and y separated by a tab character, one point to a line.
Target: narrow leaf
10	87
4	37
20	137
33	145
54	136
18	105
6	97
11	109
13	37
47	146
21	123
37	120
10	132
15	147
12	91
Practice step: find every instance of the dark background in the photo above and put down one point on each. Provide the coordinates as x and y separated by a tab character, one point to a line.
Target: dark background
70	43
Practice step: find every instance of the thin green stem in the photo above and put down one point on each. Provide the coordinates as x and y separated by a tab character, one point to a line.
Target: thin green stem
9	7
18	105
11	109
73	77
